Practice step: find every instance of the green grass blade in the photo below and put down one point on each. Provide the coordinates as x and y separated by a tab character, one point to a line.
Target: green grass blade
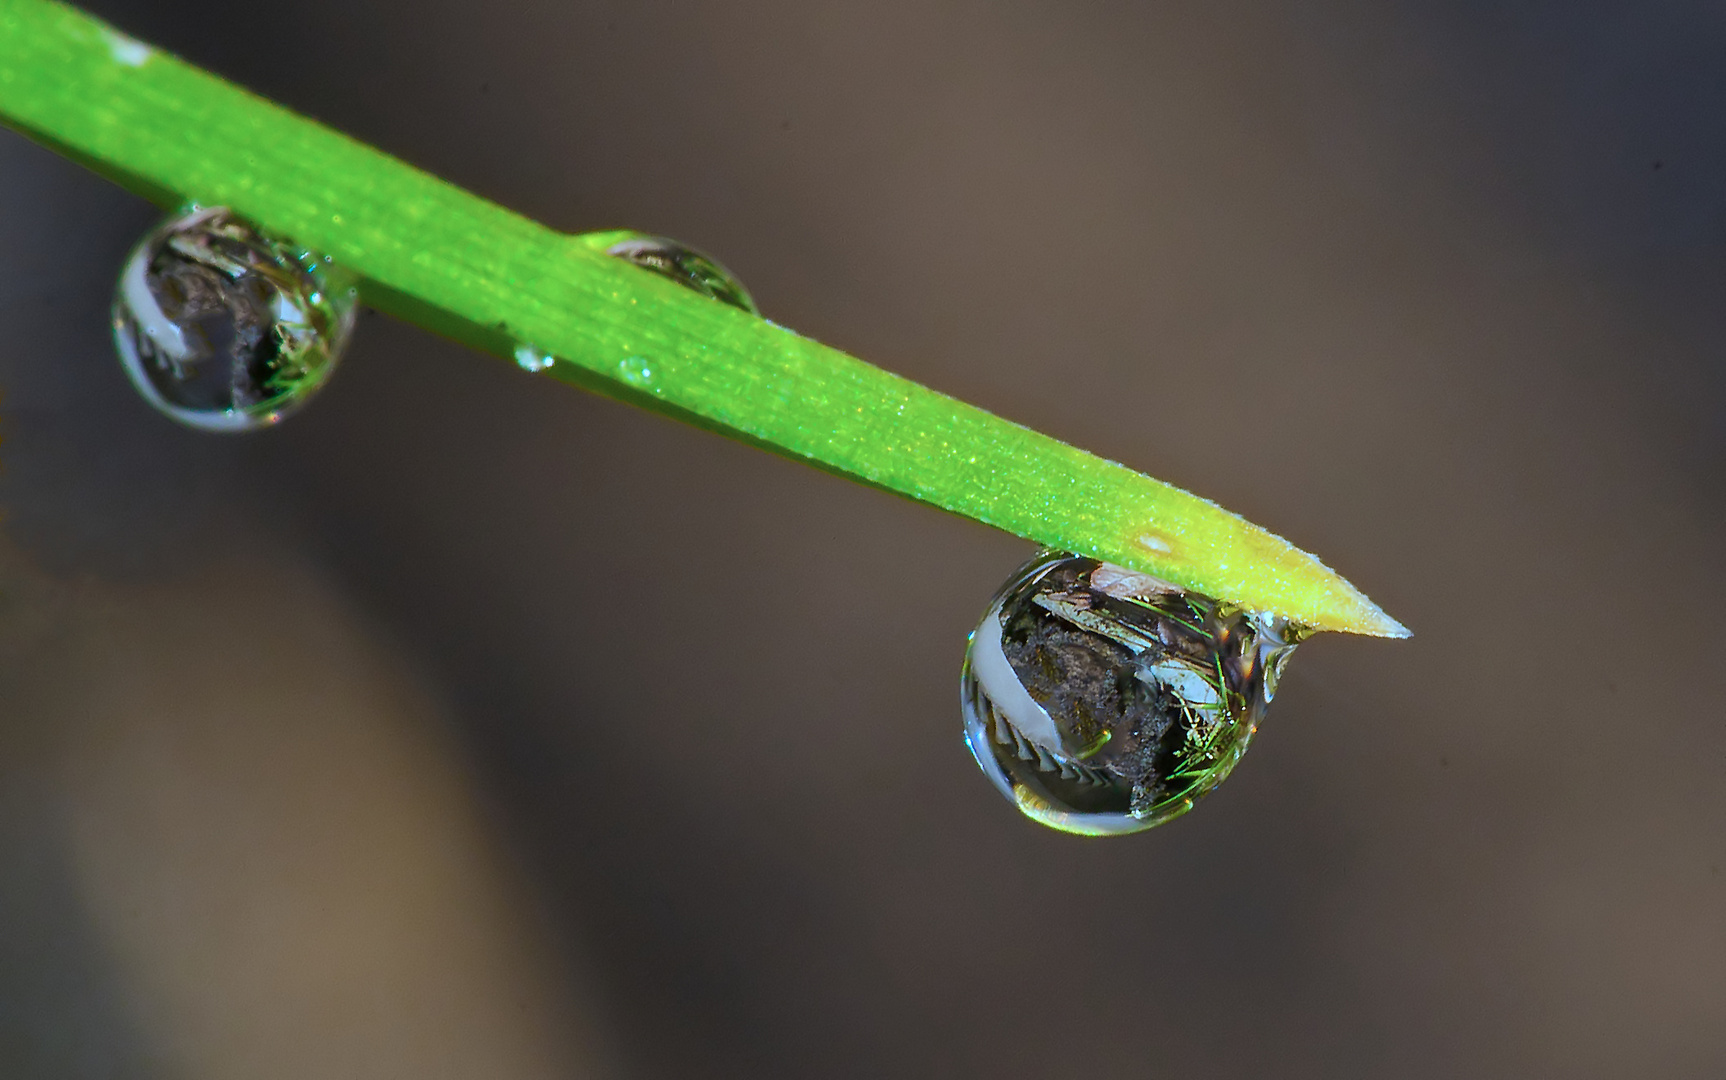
456	264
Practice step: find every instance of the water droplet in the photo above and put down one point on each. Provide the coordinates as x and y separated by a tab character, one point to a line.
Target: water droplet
530	358
226	329
686	266
636	371
1101	701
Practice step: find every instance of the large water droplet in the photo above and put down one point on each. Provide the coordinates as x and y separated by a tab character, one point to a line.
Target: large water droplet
1104	701
686	266
224	328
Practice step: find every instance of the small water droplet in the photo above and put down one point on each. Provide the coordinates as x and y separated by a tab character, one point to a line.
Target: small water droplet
225	329
686	266
530	358
1103	701
636	371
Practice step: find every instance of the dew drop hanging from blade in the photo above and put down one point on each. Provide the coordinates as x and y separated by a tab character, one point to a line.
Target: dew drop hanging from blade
226	329
1103	701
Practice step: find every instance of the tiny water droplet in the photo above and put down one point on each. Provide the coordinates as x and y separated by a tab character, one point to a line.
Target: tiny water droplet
688	267
1102	701
636	371
226	329
530	358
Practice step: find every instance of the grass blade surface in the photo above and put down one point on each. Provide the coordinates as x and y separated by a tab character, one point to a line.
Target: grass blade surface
454	263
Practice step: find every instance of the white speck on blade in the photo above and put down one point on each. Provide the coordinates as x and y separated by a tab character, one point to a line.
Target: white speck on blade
128	51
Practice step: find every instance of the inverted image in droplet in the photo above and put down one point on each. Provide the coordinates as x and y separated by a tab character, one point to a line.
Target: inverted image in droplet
686	266
1103	701
226	329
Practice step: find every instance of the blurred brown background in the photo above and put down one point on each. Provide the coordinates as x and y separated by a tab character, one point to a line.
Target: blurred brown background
471	727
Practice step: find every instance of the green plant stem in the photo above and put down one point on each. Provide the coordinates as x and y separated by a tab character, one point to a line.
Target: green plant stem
433	254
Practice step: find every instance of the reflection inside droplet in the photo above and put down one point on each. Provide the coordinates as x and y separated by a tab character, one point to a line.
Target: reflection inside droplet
224	328
1102	701
688	267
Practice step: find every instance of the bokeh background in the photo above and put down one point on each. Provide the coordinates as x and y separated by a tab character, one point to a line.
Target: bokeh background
468	726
